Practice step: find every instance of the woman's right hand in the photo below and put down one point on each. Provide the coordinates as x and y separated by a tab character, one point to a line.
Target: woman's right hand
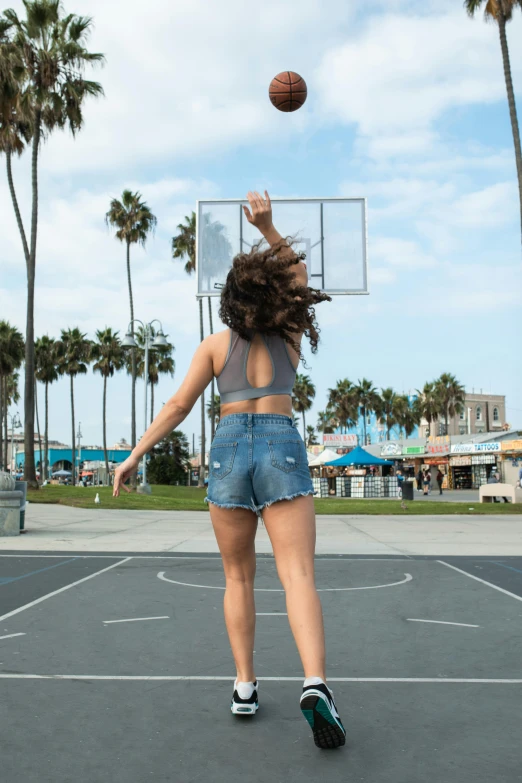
261	215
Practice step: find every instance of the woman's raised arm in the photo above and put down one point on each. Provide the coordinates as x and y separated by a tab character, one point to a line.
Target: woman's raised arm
173	412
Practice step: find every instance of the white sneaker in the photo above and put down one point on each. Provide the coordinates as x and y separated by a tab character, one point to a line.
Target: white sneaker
248	705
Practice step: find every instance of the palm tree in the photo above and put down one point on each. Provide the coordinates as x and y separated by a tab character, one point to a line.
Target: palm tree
409	418
12	350
388	409
311	440
302	397
427	403
367	400
46	373
184	247
326	422
73	354
213	410
501	12
452	396
134	222
107	354
42	58
342	404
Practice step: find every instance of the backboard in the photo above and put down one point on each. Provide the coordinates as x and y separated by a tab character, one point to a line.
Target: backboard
331	231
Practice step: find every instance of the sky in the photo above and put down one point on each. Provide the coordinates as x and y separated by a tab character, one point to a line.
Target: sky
406	107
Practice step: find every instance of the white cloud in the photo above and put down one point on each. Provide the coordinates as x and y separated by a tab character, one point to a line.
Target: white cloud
492	206
193	81
400	253
404	72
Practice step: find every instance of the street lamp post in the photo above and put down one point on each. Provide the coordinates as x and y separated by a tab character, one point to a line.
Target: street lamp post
15	423
159	341
79	438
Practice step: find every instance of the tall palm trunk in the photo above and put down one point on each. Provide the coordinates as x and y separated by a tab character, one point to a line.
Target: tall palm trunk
133	368
364	424
201	482
151	402
46	434
105	426
8	158
2	464
304	427
212	400
38	424
73	440
3	423
511	102
29	469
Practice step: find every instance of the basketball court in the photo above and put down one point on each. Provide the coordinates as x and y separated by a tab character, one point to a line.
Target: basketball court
119	666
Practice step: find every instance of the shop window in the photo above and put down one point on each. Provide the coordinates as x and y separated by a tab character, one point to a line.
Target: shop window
496	415
478	413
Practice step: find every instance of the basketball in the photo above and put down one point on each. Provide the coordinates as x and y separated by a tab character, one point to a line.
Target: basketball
287	91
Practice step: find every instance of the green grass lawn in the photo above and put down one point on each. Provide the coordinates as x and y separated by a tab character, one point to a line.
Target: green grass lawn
166	498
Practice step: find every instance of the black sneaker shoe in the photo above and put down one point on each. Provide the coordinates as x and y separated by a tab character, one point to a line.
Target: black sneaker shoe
241	706
318	707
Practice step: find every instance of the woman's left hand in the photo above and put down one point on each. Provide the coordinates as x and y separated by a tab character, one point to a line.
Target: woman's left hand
123	472
261	215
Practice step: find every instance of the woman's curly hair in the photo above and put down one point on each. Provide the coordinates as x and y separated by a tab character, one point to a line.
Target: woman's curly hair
261	294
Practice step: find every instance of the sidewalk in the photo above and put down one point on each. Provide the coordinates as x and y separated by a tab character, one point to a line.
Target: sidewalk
66	529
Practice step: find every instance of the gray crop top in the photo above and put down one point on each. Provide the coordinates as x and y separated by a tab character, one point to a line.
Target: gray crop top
232	381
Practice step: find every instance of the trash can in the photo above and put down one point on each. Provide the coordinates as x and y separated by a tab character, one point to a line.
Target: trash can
21	486
407	490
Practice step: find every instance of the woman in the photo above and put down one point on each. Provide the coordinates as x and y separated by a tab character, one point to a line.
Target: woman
258	461
426	482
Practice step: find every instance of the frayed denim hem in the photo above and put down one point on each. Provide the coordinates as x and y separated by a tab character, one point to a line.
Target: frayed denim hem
258	509
285	497
230	505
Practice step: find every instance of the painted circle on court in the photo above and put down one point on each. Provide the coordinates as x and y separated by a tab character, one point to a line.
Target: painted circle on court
407	578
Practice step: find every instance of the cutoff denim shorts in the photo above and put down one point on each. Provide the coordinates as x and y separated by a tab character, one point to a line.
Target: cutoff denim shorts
255	460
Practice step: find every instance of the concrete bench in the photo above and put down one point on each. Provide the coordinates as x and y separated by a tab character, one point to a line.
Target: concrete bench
10	502
489	491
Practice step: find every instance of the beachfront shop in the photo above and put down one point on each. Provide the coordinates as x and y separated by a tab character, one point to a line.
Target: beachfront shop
510	461
470	464
407	458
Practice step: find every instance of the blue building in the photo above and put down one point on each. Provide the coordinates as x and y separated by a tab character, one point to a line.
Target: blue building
375	431
61	458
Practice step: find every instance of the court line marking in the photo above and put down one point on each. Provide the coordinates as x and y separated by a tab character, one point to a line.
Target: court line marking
271	614
231	678
61	590
441	622
8	579
135	619
263	556
408	578
502	565
12	635
483	581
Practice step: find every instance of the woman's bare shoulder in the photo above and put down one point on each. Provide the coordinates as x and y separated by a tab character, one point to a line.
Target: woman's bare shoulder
218	344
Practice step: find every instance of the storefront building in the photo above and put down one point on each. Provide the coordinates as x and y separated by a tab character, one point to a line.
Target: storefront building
471	464
464	462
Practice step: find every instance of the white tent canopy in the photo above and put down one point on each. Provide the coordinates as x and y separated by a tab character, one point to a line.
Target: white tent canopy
315	460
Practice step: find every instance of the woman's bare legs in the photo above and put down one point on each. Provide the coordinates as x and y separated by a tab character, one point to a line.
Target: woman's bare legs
235	530
291	527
